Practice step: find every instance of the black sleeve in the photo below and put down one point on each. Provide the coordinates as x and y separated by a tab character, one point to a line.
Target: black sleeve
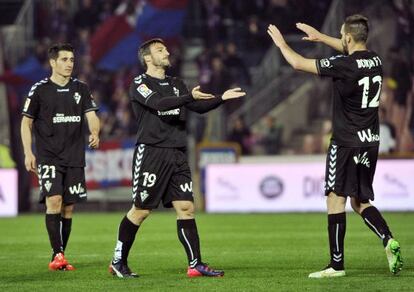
336	66
200	106
89	103
152	99
31	104
205	105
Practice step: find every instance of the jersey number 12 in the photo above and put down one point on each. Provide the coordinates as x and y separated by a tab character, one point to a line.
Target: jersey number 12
365	82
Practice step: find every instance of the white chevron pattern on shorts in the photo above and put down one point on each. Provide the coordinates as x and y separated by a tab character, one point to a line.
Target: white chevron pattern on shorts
330	178
139	154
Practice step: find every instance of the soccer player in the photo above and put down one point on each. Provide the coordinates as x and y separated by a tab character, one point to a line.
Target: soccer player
55	111
160	169
353	151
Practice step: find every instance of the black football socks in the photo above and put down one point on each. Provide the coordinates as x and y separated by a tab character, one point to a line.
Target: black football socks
373	219
336	231
188	235
126	236
66	229
53	229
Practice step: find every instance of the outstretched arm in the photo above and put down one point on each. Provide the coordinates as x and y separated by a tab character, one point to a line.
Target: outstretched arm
297	61
155	101
203	106
313	35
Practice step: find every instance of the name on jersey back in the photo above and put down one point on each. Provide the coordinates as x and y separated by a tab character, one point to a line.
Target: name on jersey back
369	63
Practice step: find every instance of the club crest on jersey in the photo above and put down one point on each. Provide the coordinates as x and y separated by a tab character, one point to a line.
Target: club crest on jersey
48	185
144	90
77	97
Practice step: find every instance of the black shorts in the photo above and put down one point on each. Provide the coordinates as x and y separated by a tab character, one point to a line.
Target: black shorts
350	171
160	174
69	182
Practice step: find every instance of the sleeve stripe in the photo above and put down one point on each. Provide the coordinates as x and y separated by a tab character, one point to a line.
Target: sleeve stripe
148	97
91	109
28	115
317	66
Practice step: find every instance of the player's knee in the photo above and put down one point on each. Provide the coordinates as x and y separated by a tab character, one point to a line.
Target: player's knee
335	203
137	216
54	203
364	205
67	211
186	209
356	205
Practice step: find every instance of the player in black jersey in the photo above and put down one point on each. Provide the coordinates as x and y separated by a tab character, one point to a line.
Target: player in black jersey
353	152
160	169
55	111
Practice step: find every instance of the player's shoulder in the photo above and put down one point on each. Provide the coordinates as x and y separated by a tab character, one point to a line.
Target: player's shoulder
341	58
367	60
140	79
37	86
79	83
332	61
176	80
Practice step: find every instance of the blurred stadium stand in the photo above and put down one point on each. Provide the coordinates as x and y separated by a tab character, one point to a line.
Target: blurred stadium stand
215	43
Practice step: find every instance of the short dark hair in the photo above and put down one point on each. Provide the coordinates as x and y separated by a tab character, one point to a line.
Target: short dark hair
357	26
54	50
144	49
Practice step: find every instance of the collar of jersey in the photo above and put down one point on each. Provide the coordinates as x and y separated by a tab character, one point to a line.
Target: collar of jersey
57	85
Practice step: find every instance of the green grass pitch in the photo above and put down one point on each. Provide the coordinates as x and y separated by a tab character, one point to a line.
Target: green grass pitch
259	252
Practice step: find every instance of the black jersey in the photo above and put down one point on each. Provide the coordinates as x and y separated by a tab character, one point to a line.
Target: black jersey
159	106
357	81
59	121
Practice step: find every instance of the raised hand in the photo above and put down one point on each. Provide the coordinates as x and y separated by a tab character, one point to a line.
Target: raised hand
275	34
233	93
197	94
312	33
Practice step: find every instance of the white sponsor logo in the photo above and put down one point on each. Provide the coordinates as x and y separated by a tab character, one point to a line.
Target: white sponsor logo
144	90
144	194
368	136
48	185
173	112
163	83
63	90
77	97
26	104
76	189
187	187
362	159
61	118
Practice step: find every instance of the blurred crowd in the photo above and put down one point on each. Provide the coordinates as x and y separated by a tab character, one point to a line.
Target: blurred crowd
395	113
235	40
